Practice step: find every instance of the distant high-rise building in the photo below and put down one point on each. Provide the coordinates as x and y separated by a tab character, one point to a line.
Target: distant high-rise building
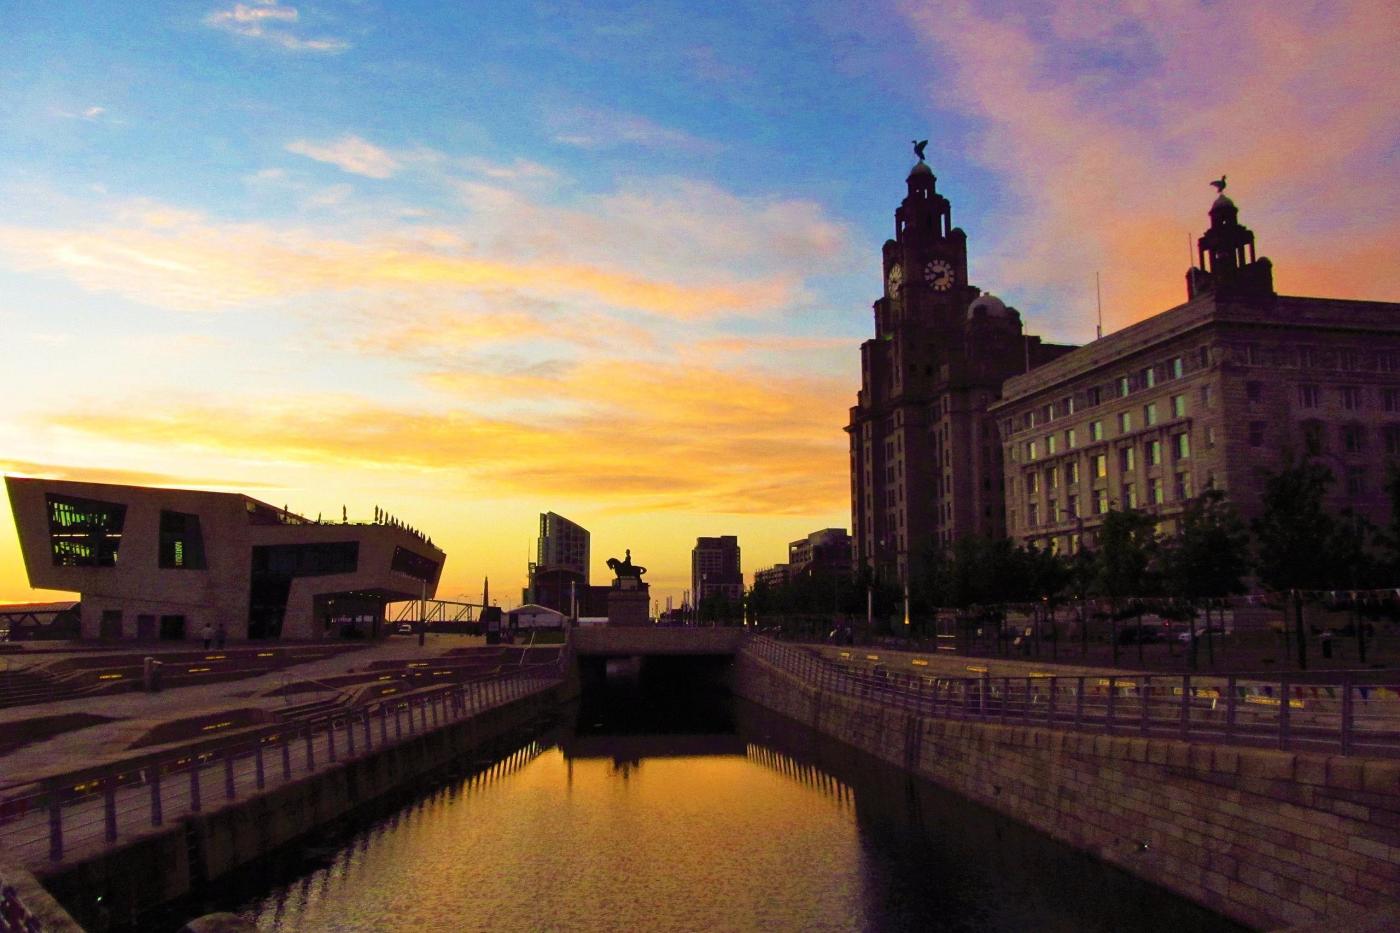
715	569
562	545
821	553
559	572
925	456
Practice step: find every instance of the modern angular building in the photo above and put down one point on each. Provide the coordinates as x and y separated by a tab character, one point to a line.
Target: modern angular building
1209	394
715	569
925	456
163	563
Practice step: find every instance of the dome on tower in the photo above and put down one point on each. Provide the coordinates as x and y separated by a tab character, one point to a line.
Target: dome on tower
920	169
1223	205
988	305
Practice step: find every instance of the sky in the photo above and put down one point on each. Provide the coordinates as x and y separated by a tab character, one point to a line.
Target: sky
474	262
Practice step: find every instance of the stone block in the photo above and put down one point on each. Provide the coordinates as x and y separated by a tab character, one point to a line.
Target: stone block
1345	773
1266	764
1381	777
1225	760
1310	769
1372	849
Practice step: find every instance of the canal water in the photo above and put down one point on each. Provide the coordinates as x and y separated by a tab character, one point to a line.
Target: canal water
663	809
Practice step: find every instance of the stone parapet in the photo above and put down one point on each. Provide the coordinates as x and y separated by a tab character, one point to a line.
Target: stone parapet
1267	838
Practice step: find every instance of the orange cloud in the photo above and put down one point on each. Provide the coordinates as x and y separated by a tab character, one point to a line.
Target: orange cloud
640	437
87	474
1107	121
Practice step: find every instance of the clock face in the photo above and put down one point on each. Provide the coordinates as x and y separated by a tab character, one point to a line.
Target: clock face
895	279
939	275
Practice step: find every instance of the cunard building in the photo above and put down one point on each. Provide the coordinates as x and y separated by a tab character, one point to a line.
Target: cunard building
926	458
1213	393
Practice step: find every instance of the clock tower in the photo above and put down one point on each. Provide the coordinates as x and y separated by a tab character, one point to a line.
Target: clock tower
925	457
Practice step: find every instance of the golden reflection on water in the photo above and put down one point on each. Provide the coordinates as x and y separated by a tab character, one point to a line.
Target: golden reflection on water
541	842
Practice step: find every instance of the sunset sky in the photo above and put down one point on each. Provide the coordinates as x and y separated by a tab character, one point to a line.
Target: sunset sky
473	261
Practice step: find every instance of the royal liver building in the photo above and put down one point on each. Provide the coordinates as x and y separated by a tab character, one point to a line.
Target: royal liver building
926	460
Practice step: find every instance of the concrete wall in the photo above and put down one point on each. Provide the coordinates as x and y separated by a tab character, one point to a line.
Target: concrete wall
116	884
655	639
1267	838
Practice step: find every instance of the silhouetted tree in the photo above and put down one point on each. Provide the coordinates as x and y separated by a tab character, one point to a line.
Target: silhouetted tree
1127	543
1207	558
1293	533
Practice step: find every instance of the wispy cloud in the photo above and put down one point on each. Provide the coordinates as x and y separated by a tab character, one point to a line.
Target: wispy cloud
1106	121
349	154
270	22
598	128
668	248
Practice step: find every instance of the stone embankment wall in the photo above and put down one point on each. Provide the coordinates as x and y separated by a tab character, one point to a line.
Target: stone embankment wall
117	884
1267	838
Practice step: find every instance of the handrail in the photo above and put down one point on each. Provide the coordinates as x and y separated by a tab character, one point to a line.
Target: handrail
93	804
1280	712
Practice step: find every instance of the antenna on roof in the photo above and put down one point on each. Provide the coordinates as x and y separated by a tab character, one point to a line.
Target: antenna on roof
1098	297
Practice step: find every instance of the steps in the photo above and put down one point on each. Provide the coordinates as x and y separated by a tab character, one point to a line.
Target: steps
27	687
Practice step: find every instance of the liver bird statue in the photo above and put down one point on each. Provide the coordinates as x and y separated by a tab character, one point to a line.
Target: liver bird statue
1219	185
919	148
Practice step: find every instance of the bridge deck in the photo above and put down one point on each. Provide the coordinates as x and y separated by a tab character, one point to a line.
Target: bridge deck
626	641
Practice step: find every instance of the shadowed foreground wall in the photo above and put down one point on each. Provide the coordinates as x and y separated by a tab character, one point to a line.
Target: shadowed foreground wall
1264	837
107	885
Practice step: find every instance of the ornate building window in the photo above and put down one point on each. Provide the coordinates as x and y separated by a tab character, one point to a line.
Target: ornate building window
1181	445
1149	414
1178	406
1351	397
1125	422
1309	396
1353	438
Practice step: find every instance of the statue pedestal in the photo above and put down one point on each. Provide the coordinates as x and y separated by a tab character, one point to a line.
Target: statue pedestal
629	606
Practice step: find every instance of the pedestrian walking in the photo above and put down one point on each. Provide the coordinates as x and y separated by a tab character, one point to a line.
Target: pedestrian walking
208	635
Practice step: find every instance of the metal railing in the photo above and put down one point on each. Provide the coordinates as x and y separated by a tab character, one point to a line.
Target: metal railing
1351	713
100	806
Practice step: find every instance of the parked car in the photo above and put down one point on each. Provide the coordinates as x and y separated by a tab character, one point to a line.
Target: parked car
405	628
1185	637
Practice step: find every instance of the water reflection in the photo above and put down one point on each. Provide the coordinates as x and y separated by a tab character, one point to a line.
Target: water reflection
738	821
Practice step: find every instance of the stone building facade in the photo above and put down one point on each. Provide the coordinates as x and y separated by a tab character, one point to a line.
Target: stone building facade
1210	394
925	456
